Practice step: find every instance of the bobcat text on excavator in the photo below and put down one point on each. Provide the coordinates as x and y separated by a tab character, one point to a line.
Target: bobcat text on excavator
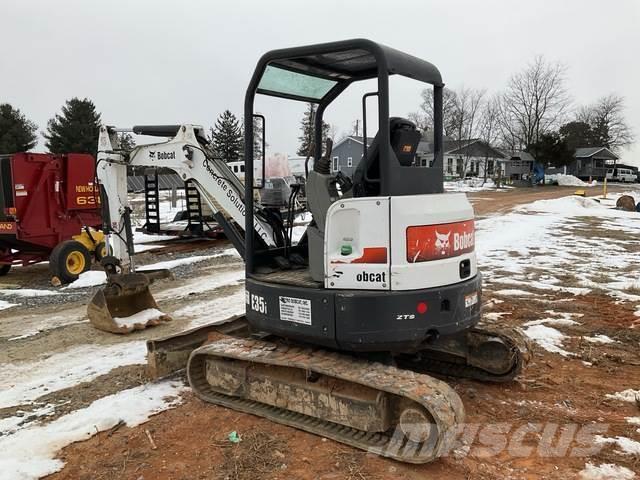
344	327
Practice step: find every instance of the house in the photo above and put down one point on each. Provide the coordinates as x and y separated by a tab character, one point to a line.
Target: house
467	156
592	162
518	165
347	153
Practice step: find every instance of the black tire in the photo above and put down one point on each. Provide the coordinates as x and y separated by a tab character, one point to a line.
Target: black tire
68	260
4	269
100	251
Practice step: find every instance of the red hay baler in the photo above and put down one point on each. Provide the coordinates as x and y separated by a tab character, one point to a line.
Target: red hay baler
50	210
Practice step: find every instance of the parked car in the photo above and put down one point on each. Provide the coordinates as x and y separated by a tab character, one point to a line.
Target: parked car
621	175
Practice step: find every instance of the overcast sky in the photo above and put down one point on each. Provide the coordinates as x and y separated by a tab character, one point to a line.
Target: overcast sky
156	61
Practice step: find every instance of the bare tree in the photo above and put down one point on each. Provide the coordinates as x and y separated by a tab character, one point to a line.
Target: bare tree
460	110
489	127
423	118
606	118
535	101
466	118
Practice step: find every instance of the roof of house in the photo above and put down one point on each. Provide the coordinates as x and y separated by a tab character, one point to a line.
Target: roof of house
586	152
355	138
520	155
463	147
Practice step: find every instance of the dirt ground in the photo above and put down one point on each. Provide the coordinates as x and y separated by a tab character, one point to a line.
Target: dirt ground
190	441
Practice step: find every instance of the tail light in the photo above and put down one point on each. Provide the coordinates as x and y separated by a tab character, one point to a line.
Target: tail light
435	242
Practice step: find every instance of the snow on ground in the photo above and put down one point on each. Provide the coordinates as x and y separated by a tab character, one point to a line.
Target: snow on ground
24	382
140	318
606	471
203	284
27	292
567	181
472	185
146	247
625	445
140	238
30	453
93	278
225	307
4	304
589	244
548	338
169	264
90	278
628	395
513	292
599	339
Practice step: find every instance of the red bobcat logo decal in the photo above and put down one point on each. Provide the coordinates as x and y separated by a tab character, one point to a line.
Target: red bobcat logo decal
435	242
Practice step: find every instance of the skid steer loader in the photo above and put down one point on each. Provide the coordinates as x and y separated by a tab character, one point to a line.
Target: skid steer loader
343	328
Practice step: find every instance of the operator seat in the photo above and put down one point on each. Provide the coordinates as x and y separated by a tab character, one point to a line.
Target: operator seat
404	137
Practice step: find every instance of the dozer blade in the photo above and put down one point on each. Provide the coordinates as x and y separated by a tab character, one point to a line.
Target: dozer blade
125	304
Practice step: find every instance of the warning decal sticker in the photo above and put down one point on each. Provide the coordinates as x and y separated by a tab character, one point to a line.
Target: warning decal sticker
297	310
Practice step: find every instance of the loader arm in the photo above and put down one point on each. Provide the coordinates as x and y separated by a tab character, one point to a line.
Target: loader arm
187	155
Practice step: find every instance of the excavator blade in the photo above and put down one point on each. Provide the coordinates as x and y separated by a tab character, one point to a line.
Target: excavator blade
125	304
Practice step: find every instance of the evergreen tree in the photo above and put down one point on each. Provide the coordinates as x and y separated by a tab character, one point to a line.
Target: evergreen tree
227	138
307	126
127	142
578	134
75	130
551	149
17	134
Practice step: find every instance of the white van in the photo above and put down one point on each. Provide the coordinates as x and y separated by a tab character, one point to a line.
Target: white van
621	175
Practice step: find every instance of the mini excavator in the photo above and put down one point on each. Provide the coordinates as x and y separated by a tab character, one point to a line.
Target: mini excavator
344	328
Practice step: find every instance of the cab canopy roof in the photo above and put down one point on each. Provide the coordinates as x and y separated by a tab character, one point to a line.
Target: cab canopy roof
310	73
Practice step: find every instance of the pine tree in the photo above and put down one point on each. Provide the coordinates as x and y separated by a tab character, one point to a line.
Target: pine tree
307	126
17	133
75	130
127	142
227	138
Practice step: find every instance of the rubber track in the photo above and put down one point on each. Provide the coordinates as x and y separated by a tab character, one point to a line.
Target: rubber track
435	396
514	338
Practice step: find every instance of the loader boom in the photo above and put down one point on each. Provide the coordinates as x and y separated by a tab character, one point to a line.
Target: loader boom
186	153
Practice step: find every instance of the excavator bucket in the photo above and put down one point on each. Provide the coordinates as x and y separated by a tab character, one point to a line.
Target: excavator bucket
125	304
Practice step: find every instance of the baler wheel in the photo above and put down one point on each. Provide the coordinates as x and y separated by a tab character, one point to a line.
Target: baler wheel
100	251
68	260
4	269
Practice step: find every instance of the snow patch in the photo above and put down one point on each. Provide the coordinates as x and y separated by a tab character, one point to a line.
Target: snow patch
628	395
177	262
633	420
567	181
606	471
90	278
599	339
24	382
512	292
141	317
4	305
28	292
548	338
30	453
626	445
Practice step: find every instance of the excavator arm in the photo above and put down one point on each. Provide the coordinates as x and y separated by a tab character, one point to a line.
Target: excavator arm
186	153
125	303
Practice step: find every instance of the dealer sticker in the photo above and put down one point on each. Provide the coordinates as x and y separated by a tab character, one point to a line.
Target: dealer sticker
297	310
471	299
